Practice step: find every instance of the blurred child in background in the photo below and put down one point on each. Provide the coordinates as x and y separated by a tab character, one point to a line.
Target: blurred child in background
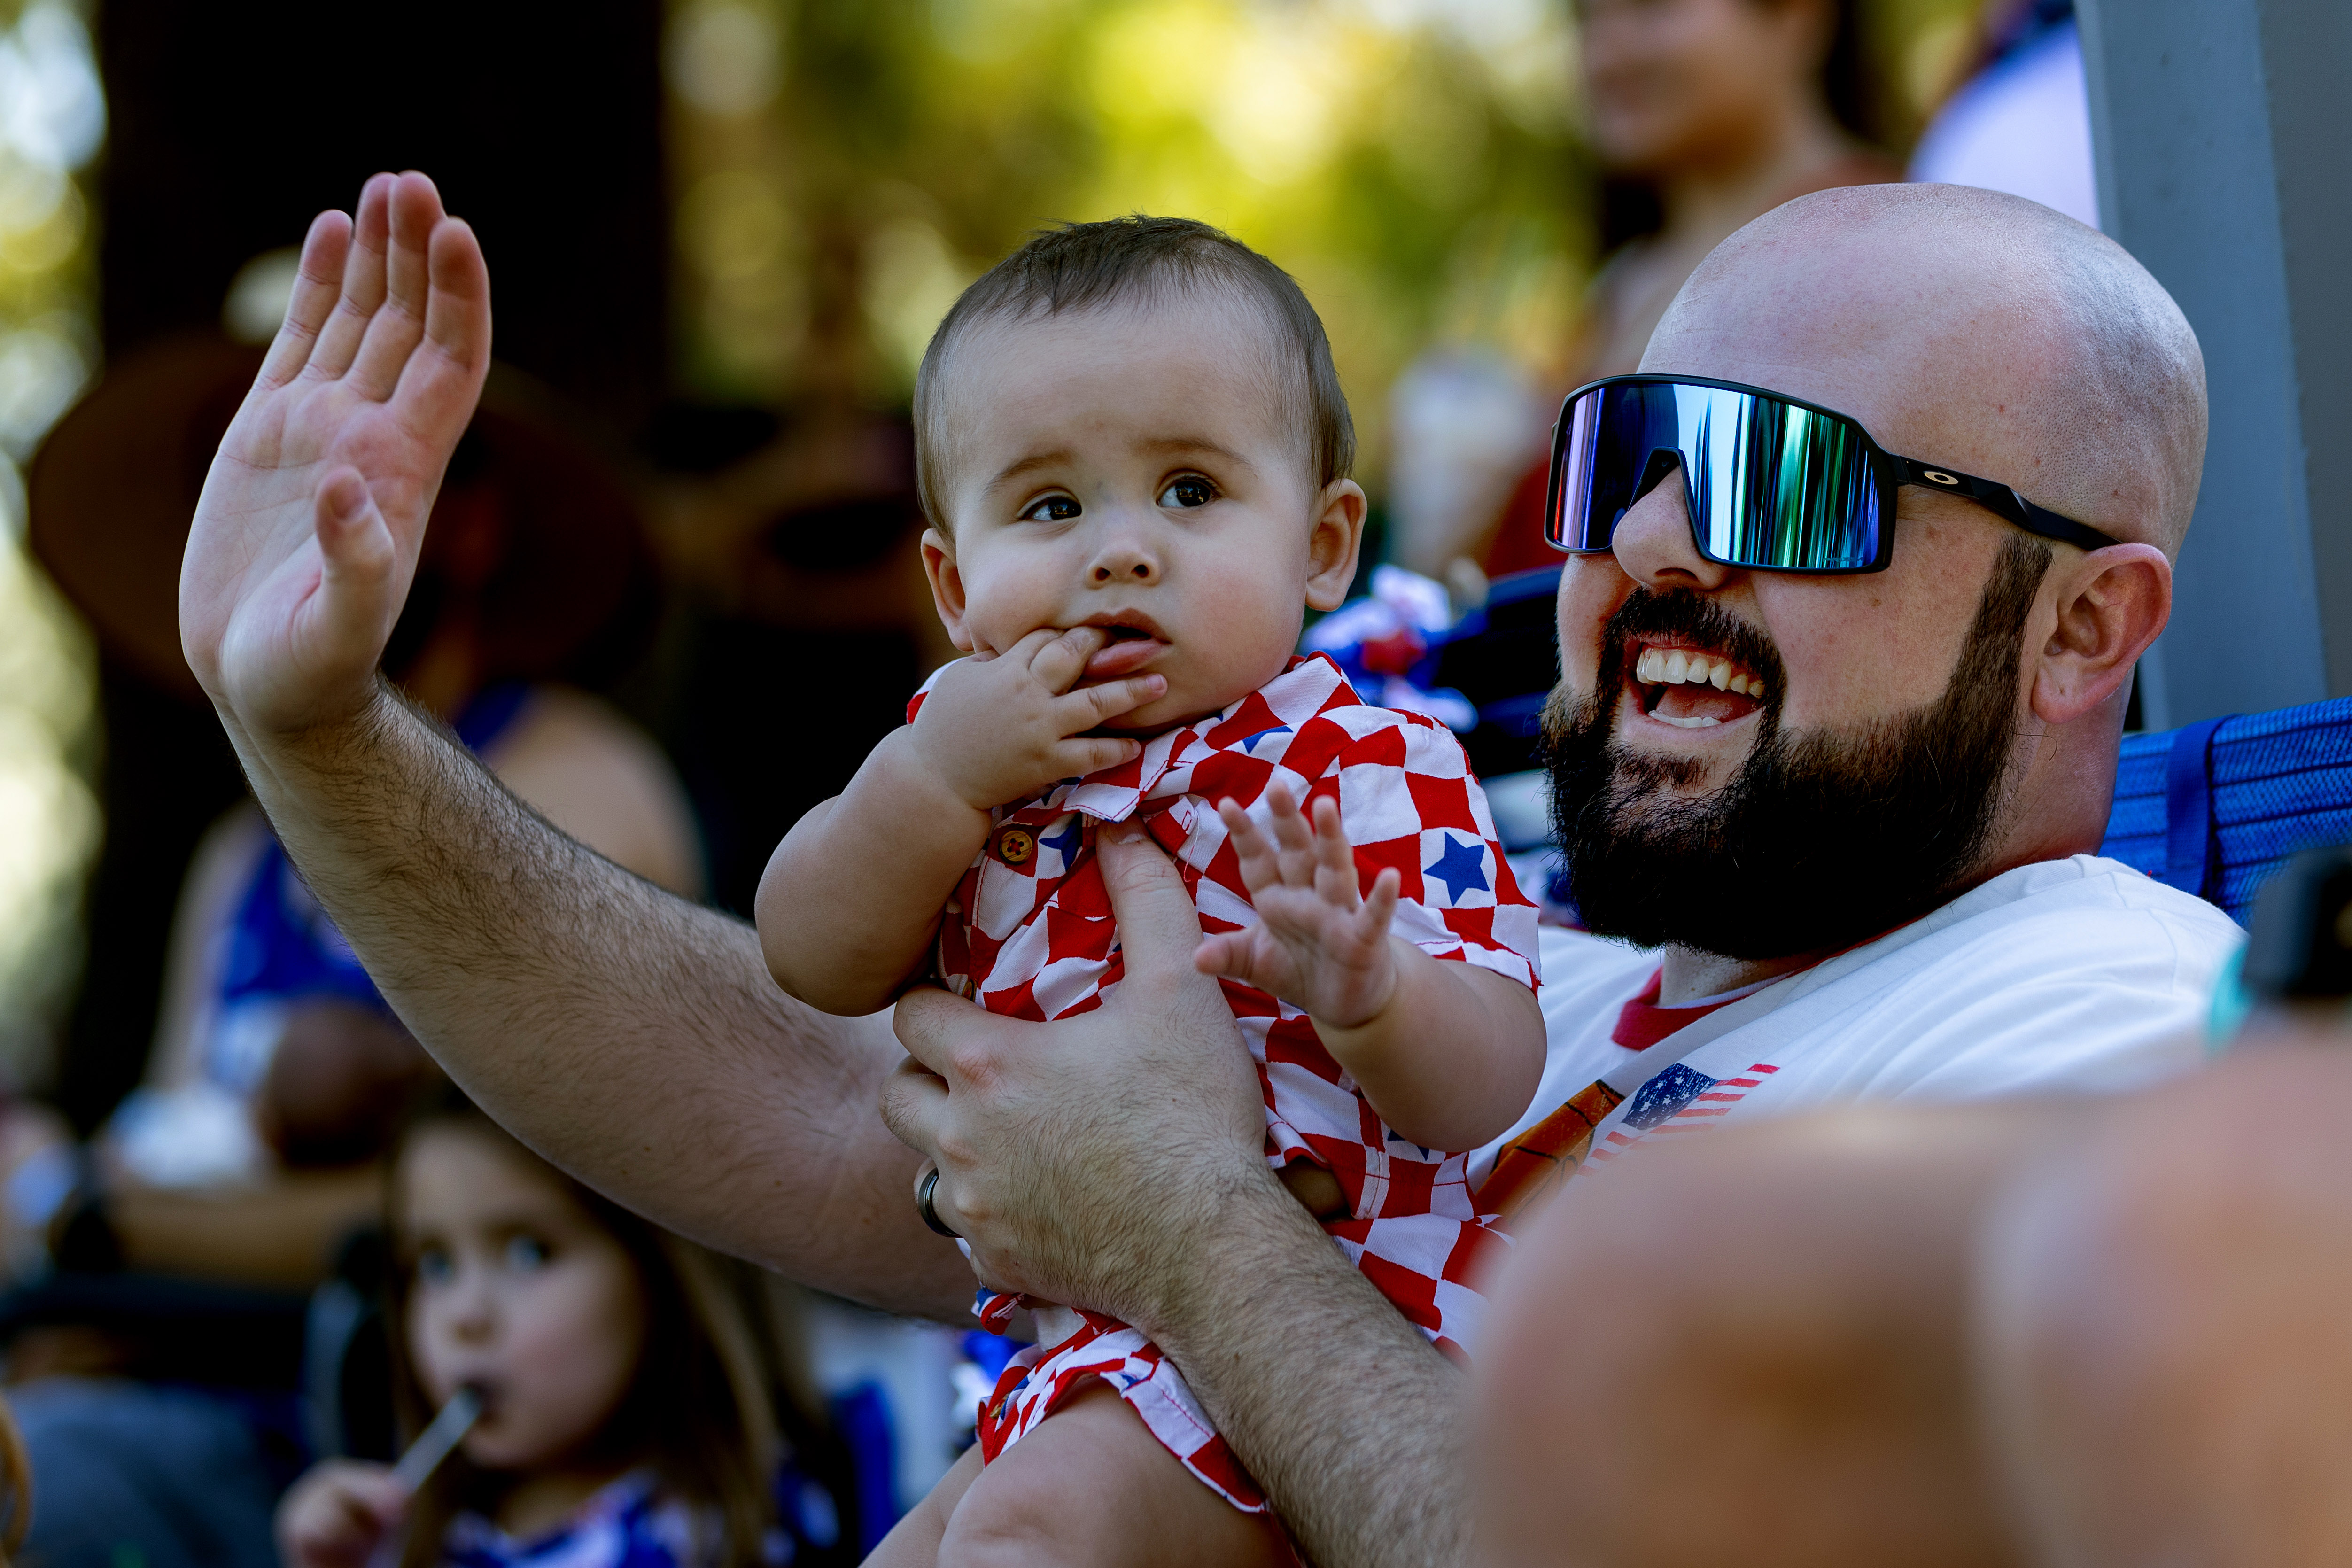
636	1404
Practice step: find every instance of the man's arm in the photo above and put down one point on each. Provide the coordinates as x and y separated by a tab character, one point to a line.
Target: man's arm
1143	1121
1347	1416
630	1037
636	1039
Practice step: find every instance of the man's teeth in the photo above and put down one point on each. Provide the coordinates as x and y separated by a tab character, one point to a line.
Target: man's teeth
1676	667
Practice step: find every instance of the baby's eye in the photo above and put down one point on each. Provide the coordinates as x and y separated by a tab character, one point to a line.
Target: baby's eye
525	1253
1187	492
1052	508
432	1266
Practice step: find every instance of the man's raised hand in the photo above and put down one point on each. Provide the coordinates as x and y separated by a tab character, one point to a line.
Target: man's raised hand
306	534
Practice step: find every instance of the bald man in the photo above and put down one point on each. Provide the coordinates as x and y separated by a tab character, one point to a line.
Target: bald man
1848	818
1786	1349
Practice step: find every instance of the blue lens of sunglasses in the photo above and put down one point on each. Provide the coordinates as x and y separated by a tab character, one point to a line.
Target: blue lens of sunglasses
1769	483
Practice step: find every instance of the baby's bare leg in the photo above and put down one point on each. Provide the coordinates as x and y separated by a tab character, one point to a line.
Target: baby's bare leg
1092	1489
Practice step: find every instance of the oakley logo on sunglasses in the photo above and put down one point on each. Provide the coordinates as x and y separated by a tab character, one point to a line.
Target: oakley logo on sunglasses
1937	475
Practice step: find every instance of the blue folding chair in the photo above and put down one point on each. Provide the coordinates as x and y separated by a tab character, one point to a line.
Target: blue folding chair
2215	808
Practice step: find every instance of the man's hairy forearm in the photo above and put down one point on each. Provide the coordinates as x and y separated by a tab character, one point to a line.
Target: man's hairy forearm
632	1038
1343	1412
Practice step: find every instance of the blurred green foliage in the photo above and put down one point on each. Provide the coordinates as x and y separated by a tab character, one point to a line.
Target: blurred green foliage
845	166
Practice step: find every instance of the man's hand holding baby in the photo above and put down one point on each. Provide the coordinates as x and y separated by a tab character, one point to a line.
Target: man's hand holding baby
999	728
1035	1127
1386	1011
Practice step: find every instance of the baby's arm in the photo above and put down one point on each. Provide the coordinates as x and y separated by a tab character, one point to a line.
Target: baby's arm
1449	1054
850	902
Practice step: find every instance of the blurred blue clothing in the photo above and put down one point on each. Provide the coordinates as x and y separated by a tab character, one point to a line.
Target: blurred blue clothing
139	1473
629	1524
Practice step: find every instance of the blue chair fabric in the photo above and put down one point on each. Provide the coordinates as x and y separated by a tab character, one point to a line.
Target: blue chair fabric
2215	808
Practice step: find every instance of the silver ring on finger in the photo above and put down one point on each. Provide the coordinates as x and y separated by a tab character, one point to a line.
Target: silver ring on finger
925	1192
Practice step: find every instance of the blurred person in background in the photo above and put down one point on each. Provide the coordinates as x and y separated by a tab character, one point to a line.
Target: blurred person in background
2022	121
639	1402
1703	115
794	543
15	1488
279	1073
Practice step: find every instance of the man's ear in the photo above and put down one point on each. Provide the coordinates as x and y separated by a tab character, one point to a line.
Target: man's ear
947	587
1332	548
2110	605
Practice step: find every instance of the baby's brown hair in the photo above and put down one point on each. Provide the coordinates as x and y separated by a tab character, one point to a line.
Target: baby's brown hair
1082	266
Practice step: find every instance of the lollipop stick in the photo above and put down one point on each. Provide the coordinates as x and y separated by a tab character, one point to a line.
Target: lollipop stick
433	1445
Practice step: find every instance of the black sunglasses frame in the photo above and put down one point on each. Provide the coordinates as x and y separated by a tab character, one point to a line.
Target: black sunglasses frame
1889	471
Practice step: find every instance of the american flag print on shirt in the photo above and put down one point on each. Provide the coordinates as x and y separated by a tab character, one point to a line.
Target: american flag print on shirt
1679	1100
1029	934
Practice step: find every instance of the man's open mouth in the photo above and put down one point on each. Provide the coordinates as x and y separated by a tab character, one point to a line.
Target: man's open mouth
1691	689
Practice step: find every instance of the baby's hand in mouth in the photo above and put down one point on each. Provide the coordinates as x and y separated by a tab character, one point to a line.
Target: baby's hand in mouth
1000	727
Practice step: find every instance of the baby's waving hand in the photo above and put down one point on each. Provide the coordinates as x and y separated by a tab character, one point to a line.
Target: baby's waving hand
999	728
1316	945
1447	1053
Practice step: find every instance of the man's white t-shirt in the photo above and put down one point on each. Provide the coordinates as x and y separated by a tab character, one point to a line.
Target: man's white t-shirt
2067	975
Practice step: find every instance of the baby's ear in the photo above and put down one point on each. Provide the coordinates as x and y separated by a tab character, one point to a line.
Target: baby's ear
1332	548
947	587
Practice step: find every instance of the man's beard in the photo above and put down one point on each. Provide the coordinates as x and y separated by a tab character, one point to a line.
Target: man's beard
1822	839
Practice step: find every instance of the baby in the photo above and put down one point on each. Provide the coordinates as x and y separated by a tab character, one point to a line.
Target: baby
1133	450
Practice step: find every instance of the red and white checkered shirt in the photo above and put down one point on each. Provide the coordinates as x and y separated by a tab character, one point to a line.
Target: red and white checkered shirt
1030	935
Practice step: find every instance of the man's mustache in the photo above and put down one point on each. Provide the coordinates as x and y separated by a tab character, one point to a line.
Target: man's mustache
1700	621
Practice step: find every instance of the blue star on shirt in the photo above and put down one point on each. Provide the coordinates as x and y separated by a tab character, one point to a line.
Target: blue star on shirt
1463	865
1249	743
1065	842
